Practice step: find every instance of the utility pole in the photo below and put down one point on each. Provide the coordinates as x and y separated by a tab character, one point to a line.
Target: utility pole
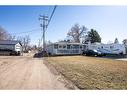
43	24
39	44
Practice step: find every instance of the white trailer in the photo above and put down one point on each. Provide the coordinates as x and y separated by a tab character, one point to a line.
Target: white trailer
113	48
64	48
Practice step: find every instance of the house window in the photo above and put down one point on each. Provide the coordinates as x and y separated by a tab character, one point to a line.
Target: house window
56	46
111	47
68	46
64	46
60	46
75	46
84	46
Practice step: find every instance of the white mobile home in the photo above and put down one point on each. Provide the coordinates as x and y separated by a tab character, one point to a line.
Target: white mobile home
10	47
64	48
113	48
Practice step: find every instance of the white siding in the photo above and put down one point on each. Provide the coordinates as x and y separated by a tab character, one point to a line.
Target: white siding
18	47
108	48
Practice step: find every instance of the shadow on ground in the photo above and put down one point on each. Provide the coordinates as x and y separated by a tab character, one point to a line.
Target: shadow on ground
115	56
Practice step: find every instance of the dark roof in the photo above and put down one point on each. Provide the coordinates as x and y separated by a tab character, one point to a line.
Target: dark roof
9	42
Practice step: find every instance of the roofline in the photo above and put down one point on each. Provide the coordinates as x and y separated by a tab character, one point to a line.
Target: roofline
65	43
12	40
7	44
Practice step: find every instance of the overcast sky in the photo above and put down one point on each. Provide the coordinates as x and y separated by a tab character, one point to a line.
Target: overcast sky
109	21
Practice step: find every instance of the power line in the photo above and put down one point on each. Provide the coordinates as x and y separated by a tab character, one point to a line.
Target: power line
50	19
51	15
26	31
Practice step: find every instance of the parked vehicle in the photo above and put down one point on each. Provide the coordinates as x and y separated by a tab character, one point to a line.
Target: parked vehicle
92	53
41	54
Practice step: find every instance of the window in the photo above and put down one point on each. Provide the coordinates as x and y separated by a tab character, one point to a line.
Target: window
111	47
75	46
56	46
84	46
60	46
68	46
64	46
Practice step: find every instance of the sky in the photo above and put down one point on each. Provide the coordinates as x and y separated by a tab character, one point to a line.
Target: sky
109	21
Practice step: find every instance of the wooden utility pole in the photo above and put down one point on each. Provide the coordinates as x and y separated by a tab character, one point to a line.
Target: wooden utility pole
43	25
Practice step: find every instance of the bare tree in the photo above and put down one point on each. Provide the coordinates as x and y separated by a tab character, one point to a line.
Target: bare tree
48	42
86	39
116	41
11	37
3	34
34	47
76	33
25	42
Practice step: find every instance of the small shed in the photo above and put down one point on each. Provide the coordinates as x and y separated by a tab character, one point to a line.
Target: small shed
10	47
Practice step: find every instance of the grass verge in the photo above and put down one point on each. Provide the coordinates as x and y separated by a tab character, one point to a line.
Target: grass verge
92	72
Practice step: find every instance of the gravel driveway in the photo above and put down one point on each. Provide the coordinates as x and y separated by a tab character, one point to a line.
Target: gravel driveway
26	72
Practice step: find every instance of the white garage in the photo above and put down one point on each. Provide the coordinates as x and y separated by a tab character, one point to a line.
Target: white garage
10	47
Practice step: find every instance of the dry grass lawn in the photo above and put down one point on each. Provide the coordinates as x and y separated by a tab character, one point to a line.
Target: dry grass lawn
92	72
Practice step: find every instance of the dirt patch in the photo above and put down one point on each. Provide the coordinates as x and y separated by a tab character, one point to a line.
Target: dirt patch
26	72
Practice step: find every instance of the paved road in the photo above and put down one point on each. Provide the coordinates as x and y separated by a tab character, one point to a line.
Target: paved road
25	72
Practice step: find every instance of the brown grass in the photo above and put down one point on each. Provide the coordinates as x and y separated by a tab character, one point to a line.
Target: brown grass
92	72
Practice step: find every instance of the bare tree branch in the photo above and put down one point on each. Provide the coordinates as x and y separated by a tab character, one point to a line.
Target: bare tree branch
76	32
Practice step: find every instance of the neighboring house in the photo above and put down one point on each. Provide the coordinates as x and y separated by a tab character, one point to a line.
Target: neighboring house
10	47
64	48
